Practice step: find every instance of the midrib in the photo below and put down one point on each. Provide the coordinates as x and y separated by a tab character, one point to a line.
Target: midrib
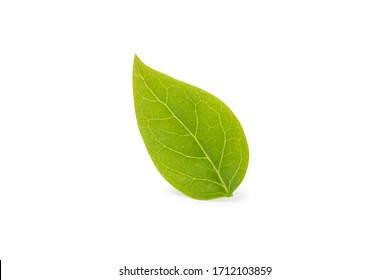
201	147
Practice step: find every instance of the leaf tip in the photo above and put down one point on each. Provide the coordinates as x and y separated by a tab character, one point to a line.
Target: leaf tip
136	58
137	62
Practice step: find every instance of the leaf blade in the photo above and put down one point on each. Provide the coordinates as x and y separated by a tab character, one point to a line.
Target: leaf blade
190	134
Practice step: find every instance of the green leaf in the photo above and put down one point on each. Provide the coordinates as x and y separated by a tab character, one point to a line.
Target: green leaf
193	138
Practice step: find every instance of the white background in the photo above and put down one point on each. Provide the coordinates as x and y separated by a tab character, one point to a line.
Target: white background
309	81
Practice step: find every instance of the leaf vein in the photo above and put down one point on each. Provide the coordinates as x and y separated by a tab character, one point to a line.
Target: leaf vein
207	156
